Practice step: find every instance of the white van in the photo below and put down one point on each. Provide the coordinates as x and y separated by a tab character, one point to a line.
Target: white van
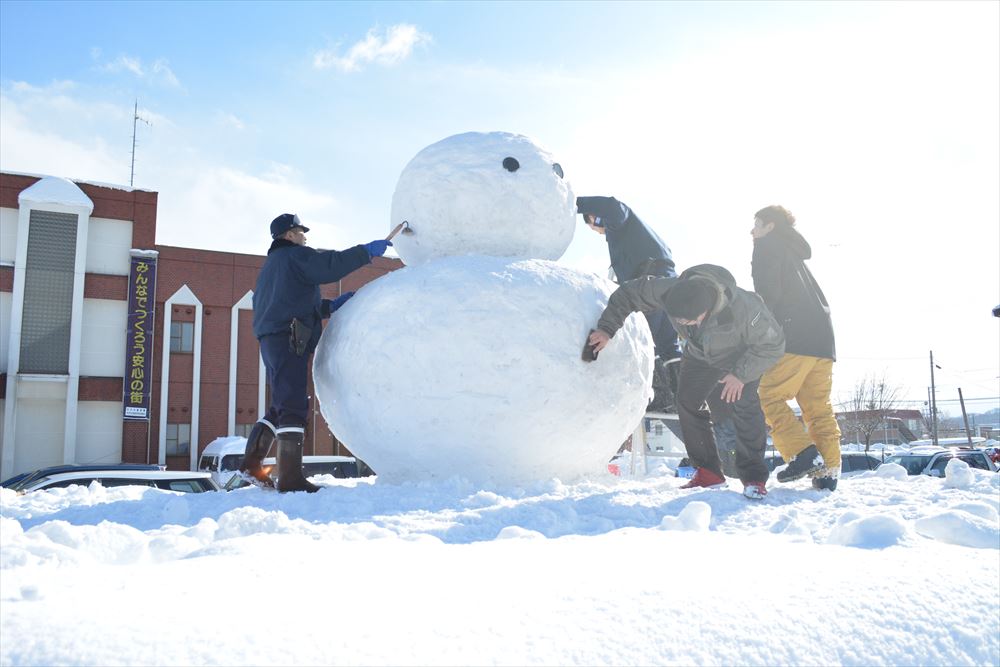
223	457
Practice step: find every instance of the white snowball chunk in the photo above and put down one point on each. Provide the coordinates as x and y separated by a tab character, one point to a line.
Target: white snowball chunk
479	193
470	366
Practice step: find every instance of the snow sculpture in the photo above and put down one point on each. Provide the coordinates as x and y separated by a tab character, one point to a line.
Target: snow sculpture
468	362
494	194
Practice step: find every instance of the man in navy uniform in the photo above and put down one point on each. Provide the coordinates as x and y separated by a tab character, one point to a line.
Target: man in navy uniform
287	319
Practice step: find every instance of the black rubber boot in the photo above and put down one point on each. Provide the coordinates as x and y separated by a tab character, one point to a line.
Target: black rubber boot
258	444
290	475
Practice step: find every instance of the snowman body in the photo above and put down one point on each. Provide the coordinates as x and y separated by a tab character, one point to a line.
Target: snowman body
467	361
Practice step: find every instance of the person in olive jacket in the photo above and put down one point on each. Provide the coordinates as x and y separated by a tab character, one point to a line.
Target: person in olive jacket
288	314
730	338
805	372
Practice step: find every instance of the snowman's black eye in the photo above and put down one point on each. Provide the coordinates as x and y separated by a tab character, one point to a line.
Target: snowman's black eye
511	165
556	167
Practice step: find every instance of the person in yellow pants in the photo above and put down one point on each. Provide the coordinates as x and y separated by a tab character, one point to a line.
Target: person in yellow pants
805	371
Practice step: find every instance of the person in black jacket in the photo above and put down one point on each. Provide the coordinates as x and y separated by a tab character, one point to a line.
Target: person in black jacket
288	311
805	372
636	250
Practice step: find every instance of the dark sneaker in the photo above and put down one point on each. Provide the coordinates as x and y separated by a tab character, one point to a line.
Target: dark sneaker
754	490
808	461
706	479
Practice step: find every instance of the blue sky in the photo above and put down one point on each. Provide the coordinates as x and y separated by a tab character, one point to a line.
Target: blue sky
876	123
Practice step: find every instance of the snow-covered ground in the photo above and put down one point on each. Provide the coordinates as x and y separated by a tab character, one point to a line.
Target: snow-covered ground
889	569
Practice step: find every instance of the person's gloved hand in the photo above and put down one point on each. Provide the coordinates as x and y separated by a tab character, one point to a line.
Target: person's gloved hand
333	305
377	248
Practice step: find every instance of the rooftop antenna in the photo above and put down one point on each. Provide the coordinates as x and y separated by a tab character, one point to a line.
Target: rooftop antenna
135	118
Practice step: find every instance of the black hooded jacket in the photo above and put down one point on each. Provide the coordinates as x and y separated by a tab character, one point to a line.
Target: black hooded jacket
782	279
635	249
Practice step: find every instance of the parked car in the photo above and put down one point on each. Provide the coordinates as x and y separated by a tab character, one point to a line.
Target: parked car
858	462
108	476
223	457
849	461
341	467
933	460
17	482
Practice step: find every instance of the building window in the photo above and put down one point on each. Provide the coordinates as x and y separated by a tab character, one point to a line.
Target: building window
243	430
178	439
48	293
182	336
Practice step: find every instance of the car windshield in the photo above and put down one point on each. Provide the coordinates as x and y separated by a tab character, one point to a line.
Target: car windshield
231	462
914	464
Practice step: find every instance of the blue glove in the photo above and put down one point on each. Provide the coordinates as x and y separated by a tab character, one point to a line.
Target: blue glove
377	248
333	305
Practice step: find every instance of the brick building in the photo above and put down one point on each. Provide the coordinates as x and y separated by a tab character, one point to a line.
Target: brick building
72	353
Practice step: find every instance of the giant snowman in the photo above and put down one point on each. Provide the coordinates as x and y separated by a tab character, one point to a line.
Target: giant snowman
467	361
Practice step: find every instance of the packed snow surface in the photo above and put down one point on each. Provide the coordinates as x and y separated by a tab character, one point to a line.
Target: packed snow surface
887	570
471	366
493	193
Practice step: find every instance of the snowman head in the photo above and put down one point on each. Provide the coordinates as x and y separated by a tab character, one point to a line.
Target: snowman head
477	193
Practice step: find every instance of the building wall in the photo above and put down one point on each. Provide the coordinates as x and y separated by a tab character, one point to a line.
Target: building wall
99	432
103	338
6	301
124	219
8	235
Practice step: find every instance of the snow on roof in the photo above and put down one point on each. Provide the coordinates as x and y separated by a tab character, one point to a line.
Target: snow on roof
100	184
55	190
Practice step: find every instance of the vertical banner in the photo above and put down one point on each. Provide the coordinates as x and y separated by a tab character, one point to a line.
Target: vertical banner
138	387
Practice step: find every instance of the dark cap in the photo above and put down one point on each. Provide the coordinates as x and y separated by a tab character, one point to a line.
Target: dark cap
284	222
689	298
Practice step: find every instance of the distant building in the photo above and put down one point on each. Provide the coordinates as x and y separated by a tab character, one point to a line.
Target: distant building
897	428
115	349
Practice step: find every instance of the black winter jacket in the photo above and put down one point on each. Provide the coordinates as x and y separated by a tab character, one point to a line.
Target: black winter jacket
782	279
288	285
631	244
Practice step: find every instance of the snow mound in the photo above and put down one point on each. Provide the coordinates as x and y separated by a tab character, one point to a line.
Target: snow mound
518	533
961	528
868	532
696	516
958	474
891	471
480	193
982	510
470	367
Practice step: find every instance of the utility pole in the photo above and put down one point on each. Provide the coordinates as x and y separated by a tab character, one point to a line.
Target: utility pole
934	429
965	417
135	118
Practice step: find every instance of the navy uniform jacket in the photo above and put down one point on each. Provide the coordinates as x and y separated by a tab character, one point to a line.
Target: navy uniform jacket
630	242
288	285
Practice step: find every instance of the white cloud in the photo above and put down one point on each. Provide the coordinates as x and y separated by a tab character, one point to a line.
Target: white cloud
389	49
231	120
203	202
158	72
220	207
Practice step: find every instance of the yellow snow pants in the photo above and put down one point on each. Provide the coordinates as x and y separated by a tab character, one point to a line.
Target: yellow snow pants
809	380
